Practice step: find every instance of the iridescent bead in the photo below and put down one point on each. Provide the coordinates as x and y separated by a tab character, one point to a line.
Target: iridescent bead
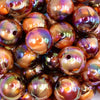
67	88
60	9
62	34
39	40
33	20
91	75
11	86
10	32
6	61
72	60
38	5
40	88
19	8
23	56
85	19
89	45
87	92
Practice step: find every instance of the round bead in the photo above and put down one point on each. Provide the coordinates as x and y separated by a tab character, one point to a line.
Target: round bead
85	19
34	20
89	45
40	88
67	89
24	57
62	34
92	73
60	9
10	32
39	40
72	60
11	86
6	60
19	8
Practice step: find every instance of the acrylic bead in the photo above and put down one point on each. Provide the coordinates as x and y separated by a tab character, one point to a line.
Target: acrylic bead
85	19
39	40
62	34
72	60
11	86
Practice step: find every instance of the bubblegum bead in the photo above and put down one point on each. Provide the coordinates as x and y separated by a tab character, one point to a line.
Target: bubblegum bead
39	40
11	86
85	19
67	88
72	60
62	34
60	9
6	60
10	32
33	20
40	88
19	8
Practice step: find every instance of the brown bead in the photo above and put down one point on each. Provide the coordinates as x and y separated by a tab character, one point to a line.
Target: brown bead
24	57
87	92
6	60
40	88
62	34
72	60
60	9
67	88
33	20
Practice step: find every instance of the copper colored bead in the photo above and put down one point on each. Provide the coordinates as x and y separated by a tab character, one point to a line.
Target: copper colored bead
60	9
34	20
85	19
92	73
6	60
40	88
39	40
33	71
10	32
27	96
72	60
3	7
67	88
97	56
11	86
62	34
87	92
19	8
23	56
89	45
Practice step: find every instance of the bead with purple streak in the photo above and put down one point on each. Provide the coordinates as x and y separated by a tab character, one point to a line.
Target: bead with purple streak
85	19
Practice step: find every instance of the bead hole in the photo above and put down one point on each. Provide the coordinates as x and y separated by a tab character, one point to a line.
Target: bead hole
68	56
11	4
14	32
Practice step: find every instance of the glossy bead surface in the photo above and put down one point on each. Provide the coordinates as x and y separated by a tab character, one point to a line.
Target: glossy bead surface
60	9
85	19
33	71
24	57
89	45
11	86
27	96
34	20
3	8
39	40
67	89
92	73
19	8
72	60
6	60
40	88
87	92
38	5
10	32
62	34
